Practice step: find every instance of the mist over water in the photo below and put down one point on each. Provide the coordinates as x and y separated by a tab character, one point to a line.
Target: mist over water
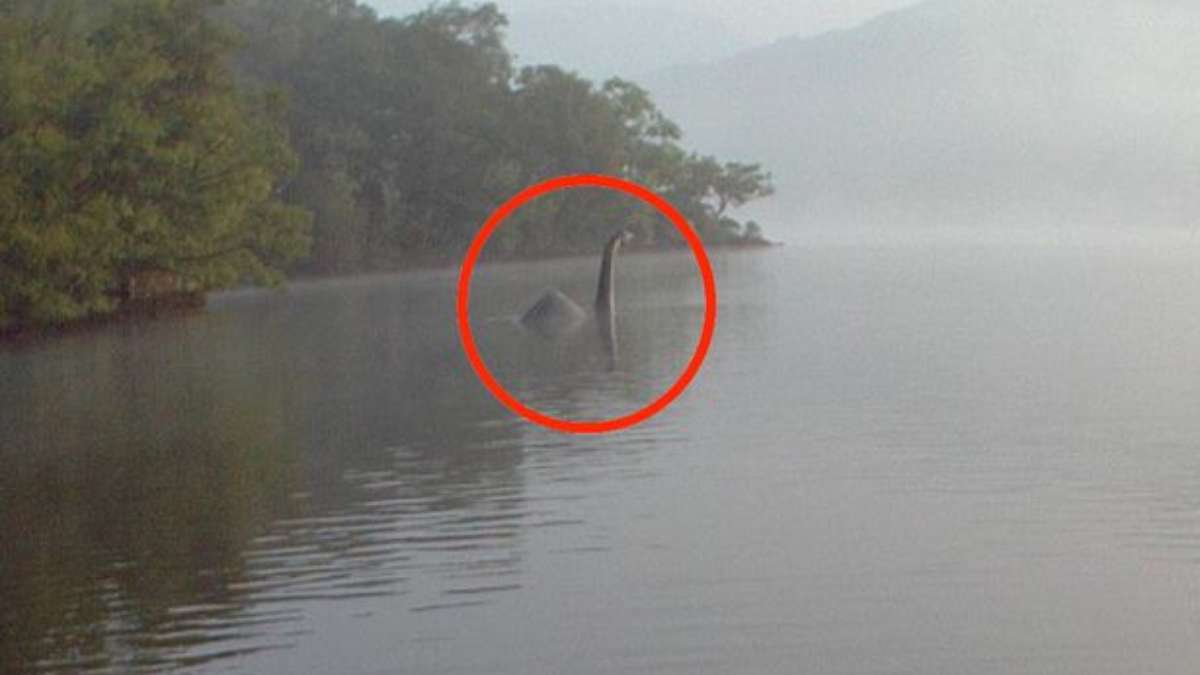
658	314
950	428
960	457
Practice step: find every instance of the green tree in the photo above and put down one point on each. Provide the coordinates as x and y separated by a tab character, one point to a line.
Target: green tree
401	123
410	131
124	147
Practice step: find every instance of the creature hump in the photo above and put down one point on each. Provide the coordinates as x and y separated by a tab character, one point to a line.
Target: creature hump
554	312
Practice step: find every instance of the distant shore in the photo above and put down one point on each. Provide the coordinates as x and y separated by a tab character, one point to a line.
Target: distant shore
448	260
174	304
192	302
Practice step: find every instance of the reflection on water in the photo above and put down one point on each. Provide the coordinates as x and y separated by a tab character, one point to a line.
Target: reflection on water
183	492
943	459
611	365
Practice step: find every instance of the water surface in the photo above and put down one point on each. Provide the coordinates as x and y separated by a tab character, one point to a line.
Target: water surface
897	459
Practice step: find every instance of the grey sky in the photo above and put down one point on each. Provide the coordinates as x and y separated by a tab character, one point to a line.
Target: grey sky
757	20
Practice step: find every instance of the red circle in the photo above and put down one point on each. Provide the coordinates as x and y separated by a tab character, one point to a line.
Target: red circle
464	291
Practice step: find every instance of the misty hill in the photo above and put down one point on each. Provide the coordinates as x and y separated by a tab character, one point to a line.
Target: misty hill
604	40
966	111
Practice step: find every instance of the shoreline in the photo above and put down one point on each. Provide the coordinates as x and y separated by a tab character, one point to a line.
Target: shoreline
442	261
153	309
185	304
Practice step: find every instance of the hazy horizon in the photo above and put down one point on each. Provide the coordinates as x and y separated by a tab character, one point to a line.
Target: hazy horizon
760	21
1040	113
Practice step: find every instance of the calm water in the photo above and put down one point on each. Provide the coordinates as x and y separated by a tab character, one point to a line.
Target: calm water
897	459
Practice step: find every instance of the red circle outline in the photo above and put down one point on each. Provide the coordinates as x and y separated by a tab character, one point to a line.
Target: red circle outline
464	303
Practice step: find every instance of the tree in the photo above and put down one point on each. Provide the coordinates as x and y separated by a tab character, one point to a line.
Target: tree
410	131
736	183
125	147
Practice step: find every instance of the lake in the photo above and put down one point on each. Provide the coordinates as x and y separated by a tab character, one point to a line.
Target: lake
922	457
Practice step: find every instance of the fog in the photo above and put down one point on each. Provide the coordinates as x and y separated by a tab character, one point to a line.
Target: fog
634	38
966	112
952	430
760	21
945	113
611	38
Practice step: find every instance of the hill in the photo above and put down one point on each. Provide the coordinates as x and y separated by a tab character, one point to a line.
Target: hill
966	111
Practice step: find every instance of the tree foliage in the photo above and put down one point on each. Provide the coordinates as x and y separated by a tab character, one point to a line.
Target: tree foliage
124	147
411	131
202	140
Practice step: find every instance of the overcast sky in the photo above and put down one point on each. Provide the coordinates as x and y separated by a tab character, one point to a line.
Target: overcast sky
757	20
